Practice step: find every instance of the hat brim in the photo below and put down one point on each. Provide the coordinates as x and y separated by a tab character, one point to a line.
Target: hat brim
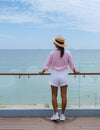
58	44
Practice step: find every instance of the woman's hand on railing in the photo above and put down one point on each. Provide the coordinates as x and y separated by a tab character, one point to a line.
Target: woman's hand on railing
76	72
42	72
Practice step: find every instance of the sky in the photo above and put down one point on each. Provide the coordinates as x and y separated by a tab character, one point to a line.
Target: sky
32	24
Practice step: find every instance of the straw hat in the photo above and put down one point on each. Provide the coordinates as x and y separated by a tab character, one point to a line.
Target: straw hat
59	41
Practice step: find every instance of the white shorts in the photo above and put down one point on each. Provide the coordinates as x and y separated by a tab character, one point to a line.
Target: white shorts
59	78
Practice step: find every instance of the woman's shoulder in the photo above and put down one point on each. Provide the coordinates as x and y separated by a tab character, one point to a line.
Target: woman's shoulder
51	52
67	52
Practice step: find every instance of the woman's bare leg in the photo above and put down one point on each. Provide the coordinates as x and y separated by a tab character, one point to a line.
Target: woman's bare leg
54	91
64	97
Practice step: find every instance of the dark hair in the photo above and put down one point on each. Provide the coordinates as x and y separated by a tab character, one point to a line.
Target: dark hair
61	51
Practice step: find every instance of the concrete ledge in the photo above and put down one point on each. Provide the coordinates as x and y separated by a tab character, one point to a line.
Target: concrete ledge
47	112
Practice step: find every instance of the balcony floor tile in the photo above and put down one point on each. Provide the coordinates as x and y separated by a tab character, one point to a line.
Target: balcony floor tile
71	123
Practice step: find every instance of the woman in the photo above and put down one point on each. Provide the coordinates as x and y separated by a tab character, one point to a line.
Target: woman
58	61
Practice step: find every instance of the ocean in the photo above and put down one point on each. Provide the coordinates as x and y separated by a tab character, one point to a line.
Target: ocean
82	90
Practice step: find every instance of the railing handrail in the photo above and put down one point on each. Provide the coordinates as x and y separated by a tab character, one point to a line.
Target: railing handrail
36	73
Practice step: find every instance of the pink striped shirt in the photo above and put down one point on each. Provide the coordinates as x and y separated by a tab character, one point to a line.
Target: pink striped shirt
55	62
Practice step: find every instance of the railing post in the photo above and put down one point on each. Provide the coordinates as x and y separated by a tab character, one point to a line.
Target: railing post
95	99
79	94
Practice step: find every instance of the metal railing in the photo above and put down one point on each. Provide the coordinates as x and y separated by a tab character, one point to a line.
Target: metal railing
34	73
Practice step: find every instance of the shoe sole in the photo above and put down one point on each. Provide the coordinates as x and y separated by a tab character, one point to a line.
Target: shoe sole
62	119
55	119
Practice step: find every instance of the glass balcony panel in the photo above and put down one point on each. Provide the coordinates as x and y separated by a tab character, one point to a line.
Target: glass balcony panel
34	90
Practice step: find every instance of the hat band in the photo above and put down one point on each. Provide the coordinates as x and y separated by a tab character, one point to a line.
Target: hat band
59	41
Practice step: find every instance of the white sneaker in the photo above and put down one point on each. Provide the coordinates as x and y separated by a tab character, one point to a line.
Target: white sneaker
55	117
62	117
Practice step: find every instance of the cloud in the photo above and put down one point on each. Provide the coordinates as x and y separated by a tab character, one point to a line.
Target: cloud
72	14
17	11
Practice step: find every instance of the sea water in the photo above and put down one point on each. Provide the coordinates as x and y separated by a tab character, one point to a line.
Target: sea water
82	90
